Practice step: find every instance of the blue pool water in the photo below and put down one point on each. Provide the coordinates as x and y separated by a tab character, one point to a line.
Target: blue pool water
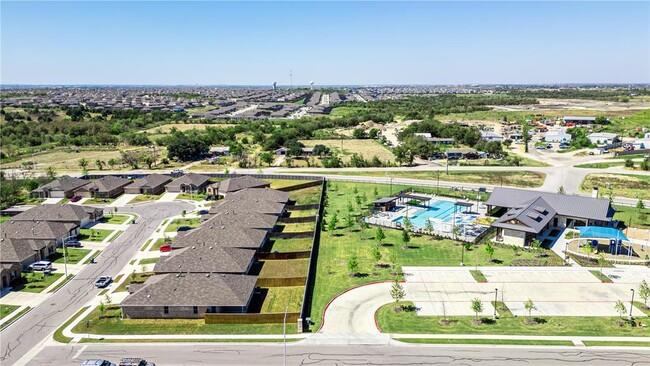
439	210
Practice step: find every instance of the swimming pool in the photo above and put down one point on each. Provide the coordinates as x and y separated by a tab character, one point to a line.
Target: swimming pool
442	211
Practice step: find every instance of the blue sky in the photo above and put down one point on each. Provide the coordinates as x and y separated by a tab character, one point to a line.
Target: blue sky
328	42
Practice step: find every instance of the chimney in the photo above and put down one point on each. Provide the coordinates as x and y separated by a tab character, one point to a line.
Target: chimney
594	193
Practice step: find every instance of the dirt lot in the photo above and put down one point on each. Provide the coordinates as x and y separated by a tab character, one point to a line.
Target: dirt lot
579	104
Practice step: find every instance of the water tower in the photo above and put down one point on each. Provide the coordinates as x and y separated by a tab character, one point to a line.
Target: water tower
311	85
275	85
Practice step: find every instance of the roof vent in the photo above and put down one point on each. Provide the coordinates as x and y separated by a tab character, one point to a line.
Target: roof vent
207	275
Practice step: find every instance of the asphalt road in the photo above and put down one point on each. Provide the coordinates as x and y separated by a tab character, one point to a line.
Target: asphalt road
263	354
20	337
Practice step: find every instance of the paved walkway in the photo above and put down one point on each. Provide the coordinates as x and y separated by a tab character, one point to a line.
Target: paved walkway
51	201
354	310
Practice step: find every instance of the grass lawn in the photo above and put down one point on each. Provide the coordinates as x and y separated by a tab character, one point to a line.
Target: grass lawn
173	226
298	227
521	178
135	277
409	322
115	219
516	342
111	323
337	247
4	218
74	255
36	281
61	284
282	183
278	298
194	196
159	242
7	309
280	268
14	316
303	213
99	201
615	344
145	261
306	196
600	165
58	334
632	216
602	277
623	185
93	234
290	245
524	161
145	198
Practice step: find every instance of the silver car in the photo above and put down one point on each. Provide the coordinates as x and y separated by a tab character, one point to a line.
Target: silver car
97	363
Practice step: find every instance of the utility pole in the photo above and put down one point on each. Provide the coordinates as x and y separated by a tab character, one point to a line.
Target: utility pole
496	292
285	334
631	303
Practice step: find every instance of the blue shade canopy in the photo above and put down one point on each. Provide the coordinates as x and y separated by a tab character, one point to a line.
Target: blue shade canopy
601	232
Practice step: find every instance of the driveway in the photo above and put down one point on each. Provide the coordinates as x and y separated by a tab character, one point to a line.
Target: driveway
122	200
24	335
51	201
168	197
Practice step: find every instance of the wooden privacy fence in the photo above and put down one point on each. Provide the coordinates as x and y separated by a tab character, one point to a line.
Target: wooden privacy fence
284	255
296	220
302	234
303	207
263	318
280	281
300	186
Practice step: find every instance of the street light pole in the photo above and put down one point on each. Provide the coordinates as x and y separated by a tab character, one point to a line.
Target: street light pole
496	292
631	303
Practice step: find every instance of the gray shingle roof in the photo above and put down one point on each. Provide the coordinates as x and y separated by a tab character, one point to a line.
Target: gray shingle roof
18	250
51	230
151	180
530	217
224	236
201	258
566	205
194	179
239	183
107	183
56	212
193	290
64	183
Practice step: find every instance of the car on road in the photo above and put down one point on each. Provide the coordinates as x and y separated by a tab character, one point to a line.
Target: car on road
75	199
135	362
177	171
203	212
540	147
97	363
41	266
103	281
183	228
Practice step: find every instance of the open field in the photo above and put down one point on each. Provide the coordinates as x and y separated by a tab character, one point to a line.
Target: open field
623	185
522	178
337	247
278	299
365	147
390	321
111	323
183	127
632	216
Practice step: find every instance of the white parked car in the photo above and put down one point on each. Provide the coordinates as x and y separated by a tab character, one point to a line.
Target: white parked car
41	266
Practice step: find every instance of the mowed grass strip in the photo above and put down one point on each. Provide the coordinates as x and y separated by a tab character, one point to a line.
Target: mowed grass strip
514	342
5	310
408	322
298	227
278	299
58	334
14	317
111	323
282	268
623	185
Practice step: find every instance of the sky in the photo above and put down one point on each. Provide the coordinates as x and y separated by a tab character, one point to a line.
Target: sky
330	43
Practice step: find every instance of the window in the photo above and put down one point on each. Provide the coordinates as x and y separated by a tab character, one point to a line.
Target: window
195	309
166	309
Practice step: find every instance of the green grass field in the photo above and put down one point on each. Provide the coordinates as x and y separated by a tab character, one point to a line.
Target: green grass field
281	268
176	223
115	219
279	298
93	234
36	281
146	261
290	245
514	342
74	255
159	242
408	322
337	247
632	216
306	196
623	185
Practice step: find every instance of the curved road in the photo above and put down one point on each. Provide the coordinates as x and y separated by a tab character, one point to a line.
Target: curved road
35	326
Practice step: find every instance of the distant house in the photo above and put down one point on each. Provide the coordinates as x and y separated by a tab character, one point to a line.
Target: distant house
62	187
190	295
491	136
281	151
235	184
461	154
603	138
190	182
576	120
426	135
440	140
106	187
220	151
76	214
151	184
557	136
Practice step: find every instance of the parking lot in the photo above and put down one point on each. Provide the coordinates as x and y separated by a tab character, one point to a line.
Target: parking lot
556	291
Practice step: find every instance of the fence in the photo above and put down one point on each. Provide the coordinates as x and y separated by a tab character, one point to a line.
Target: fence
222	176
303	207
632	152
285	255
303	234
296	220
281	281
250	318
435	232
300	186
305	312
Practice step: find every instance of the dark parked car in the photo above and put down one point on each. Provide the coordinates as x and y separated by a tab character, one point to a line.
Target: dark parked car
97	363
203	212
183	228
103	281
75	199
135	362
74	243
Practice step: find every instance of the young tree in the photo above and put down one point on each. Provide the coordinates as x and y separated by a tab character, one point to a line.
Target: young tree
529	305
357	200
332	222
489	250
266	158
640	205
392	257
349	207
349	221
406	238
99	164
83	163
620	308
455	230
375	192
407	224
644	291
50	173
112	162
101	308
477	306
376	254
428	227
397	292
535	243
561	190
149	160
379	235
353	265
602	262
